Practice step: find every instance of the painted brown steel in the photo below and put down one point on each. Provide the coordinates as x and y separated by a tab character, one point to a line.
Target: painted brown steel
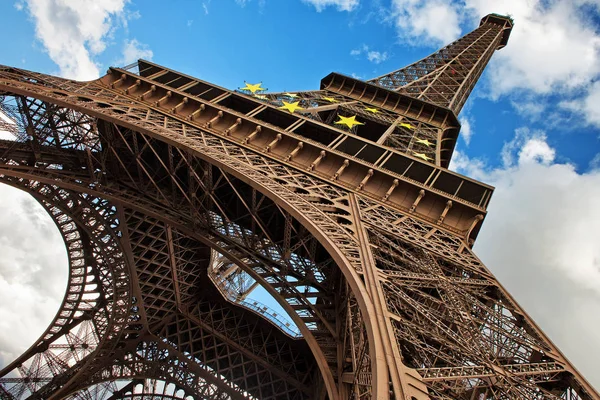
149	175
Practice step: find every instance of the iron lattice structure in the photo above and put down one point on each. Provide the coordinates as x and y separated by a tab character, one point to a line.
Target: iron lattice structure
176	198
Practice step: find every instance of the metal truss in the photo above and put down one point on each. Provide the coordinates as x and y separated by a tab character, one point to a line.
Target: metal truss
447	76
176	198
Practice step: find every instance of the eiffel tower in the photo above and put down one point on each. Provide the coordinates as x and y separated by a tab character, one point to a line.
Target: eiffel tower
177	198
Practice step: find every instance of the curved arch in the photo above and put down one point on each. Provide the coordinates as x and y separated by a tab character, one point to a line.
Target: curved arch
98	325
155	359
73	309
343	249
229	252
137	389
130	321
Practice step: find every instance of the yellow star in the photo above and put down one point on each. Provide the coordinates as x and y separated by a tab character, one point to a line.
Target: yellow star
330	99
373	110
422	155
291	107
424	141
292	95
253	88
348	121
405	125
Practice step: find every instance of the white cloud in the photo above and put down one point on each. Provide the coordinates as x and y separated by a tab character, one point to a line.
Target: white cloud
373	56
134	50
527	146
342	5
466	131
33	273
435	21
73	31
587	105
540	240
531	108
377	57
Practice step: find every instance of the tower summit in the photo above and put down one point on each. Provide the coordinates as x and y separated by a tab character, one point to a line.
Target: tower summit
176	198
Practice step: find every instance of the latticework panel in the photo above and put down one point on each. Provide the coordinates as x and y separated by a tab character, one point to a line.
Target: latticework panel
177	193
447	76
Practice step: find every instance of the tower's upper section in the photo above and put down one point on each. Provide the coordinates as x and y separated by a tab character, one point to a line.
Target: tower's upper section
446	77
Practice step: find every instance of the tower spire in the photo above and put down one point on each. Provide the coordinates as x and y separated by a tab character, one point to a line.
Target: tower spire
447	76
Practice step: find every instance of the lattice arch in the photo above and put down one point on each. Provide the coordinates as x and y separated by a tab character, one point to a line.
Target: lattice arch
365	242
313	207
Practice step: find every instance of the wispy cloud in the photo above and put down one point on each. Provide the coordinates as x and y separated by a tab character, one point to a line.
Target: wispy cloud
134	50
341	5
466	130
376	57
205	5
432	22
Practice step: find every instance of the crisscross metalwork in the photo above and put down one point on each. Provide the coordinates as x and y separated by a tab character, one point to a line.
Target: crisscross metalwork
176	198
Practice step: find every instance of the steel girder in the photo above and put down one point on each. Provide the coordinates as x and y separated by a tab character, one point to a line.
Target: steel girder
385	300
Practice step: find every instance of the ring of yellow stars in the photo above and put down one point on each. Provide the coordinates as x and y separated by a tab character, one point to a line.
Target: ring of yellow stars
422	155
330	99
292	95
291	107
253	88
405	125
424	141
348	121
373	110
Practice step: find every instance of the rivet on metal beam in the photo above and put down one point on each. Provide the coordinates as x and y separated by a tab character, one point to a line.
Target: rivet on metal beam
147	92
183	102
365	179
197	112
341	169
165	97
417	200
390	190
136	84
233	127
273	143
253	135
448	207
295	151
317	161
215	119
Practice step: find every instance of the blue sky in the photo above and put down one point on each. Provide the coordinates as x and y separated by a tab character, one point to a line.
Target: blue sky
531	127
